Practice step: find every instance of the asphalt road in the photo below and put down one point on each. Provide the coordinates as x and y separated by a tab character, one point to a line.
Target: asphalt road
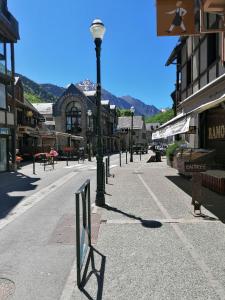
37	230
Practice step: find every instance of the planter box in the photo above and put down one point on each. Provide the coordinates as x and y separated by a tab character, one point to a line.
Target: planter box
214	180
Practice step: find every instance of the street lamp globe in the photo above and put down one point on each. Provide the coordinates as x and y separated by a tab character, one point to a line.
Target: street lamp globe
89	113
132	109
97	29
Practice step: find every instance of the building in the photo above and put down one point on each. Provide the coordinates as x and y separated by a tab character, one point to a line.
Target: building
124	130
150	128
75	114
9	35
200	91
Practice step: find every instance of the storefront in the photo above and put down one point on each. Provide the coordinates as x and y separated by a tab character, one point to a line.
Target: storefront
212	131
4	148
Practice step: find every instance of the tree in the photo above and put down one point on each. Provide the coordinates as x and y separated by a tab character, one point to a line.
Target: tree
123	112
161	117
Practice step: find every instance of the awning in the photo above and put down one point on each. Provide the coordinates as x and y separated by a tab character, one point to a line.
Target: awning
179	124
208	105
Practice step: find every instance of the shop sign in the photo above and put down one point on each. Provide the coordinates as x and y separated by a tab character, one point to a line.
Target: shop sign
195	167
175	17
216	132
5	131
192	130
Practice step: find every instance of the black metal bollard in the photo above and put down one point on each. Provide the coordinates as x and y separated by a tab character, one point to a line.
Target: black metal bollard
67	159
103	166
120	159
106	170
126	156
140	155
34	165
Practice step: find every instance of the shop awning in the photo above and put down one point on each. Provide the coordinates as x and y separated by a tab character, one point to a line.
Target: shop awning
179	124
209	105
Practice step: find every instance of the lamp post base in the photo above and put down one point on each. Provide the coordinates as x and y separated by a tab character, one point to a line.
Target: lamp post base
100	199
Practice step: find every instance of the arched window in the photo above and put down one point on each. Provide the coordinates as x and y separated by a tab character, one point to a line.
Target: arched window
73	117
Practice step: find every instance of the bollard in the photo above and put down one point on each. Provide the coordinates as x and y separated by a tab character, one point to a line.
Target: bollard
120	159
140	155
34	165
126	156
109	175
103	166
106	170
53	162
67	159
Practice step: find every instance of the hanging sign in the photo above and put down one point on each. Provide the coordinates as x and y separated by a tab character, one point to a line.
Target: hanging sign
175	17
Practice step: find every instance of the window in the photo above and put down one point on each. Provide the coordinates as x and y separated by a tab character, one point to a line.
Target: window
2	96
189	72
2	58
212	48
73	118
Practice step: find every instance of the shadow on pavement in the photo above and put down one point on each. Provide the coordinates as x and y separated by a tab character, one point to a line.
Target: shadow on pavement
98	273
13	182
213	202
144	223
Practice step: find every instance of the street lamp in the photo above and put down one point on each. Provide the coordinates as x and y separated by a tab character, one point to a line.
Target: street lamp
132	110
98	30
89	135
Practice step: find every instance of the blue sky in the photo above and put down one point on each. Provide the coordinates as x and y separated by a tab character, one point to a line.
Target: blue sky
56	46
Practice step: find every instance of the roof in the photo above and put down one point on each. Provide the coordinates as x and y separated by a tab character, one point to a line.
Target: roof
105	102
174	54
89	93
44	108
125	122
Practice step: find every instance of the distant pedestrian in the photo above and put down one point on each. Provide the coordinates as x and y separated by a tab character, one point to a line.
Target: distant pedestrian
178	20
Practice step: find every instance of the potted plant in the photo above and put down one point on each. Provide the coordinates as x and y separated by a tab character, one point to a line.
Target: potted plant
171	151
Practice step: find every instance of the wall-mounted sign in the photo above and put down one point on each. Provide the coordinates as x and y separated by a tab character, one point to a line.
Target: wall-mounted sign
175	17
5	131
192	130
216	132
195	167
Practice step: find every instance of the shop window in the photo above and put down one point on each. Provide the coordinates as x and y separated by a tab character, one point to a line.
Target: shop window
73	118
189	70
212	53
2	96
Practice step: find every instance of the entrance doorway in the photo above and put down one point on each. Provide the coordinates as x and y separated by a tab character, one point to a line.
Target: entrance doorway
3	154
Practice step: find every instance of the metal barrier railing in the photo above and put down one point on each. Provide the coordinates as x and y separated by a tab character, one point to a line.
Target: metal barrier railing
83	226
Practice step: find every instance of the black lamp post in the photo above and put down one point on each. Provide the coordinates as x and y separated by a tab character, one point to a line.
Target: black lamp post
98	30
89	134
132	110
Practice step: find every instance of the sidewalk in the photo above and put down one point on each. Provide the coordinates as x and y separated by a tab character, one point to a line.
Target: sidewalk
150	246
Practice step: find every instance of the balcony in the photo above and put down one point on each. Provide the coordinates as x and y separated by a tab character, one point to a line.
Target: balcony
9	28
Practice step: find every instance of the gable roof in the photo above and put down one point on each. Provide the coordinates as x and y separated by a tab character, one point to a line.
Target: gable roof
125	122
44	108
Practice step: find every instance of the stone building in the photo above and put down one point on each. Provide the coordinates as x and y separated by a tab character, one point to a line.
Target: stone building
124	130
71	117
9	35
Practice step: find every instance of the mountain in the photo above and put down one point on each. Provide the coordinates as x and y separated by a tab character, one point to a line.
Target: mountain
124	102
35	92
53	89
142	108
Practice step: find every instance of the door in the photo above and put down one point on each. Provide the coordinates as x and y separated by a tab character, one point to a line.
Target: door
3	154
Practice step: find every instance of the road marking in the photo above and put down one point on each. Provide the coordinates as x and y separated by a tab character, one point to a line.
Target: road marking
32	200
215	284
76	166
163	221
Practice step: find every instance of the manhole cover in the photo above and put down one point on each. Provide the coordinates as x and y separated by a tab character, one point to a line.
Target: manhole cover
7	288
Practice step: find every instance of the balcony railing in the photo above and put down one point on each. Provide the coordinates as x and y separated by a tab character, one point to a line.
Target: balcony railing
9	27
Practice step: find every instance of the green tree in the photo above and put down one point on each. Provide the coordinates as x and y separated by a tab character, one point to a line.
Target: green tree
161	117
123	112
